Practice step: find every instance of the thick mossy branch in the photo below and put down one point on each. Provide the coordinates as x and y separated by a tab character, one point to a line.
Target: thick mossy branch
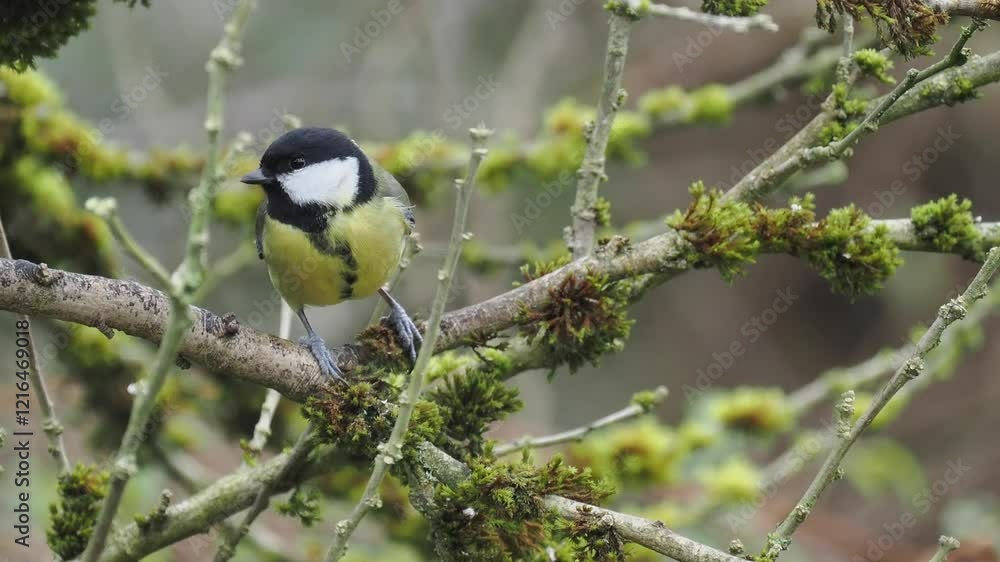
721	234
947	225
909	25
72	519
498	514
844	248
734	8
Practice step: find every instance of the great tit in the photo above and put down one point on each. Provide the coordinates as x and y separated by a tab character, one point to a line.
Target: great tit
332	227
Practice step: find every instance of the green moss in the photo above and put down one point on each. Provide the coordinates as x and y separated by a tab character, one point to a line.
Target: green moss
737	8
627	130
28	88
155	519
947	225
302	505
733	481
594	538
952	92
647	399
602	212
535	270
664	102
763	410
468	404
497	513
72	519
712	105
355	417
583	319
626	9
640	453
850	254
874	63
719	232
237	206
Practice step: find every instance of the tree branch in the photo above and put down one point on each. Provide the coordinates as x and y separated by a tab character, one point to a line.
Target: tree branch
36	378
908	370
633	410
591	172
737	24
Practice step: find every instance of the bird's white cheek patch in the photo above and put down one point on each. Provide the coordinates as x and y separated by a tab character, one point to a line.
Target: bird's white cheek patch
334	182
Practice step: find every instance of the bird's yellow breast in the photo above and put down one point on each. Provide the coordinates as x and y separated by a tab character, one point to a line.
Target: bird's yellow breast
351	259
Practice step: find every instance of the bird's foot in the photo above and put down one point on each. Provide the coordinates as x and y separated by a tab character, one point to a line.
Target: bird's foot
406	331
327	360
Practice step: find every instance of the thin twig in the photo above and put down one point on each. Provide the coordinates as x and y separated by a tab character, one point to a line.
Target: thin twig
107	208
737	24
578	434
295	461
36	379
946	545
591	172
391	452
910	369
184	285
771	173
262	431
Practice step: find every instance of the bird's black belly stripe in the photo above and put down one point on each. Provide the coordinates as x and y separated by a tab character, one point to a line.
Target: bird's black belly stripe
343	251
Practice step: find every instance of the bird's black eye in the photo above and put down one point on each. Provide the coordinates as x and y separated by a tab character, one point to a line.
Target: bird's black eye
298	163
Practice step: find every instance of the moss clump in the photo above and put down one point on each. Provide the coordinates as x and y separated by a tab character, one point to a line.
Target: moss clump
875	64
737	8
72	519
302	505
854	257
951	92
469	403
237	207
383	354
641	453
947	225
358	417
733	481
28	88
850	254
848	111
355	417
583	319
712	105
664	102
595	538
758	410
602	212
541	268
909	25
497	513
634	10
720	232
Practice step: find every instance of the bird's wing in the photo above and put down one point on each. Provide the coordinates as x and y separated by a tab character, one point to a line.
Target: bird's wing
258	228
388	186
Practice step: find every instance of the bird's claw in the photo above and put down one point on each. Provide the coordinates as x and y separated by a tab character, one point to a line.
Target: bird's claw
326	359
407	332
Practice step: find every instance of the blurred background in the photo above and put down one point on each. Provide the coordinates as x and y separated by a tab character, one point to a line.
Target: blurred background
446	65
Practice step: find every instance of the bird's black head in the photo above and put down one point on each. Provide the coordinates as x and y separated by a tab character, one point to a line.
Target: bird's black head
311	171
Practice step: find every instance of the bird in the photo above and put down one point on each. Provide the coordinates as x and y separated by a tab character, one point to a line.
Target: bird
332	226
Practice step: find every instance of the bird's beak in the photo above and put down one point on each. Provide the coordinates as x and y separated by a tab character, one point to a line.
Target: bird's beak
256	177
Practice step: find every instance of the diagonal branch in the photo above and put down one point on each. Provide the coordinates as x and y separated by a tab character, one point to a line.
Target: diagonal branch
948	313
